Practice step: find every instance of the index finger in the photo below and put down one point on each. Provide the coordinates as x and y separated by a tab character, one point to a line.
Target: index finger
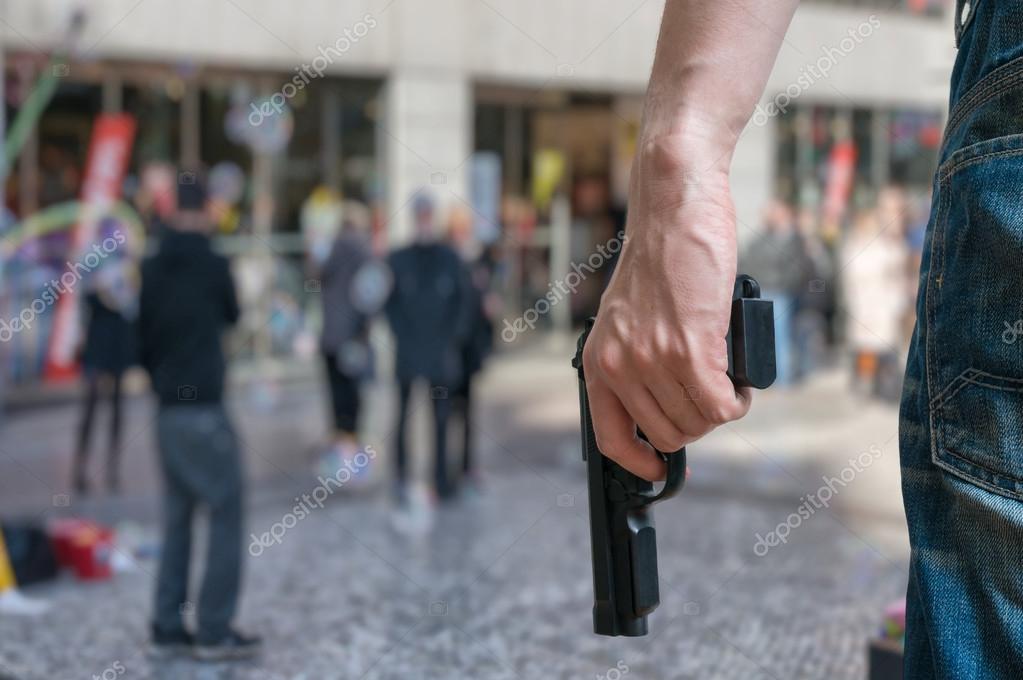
616	435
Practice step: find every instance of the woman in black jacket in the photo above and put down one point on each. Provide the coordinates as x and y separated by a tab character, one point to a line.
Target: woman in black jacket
110	349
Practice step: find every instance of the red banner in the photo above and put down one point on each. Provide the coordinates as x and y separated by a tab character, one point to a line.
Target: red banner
105	167
841	172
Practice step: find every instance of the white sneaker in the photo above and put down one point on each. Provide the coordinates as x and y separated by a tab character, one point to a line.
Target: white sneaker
415	516
14	603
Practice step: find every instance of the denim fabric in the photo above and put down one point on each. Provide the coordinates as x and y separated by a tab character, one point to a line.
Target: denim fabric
961	426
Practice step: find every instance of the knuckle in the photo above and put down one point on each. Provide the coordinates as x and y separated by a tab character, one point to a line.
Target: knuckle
608	361
644	358
718	412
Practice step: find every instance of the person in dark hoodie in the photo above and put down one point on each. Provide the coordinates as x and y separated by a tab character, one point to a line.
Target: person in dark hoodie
187	301
344	341
428	311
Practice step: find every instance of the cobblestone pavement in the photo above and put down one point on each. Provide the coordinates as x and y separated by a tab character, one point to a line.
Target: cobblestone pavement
500	588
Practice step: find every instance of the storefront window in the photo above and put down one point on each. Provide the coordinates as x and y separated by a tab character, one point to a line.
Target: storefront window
891	146
923	7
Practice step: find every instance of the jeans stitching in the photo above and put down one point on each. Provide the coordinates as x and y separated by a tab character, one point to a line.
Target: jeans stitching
969	478
970	377
955	385
937	230
940	449
984	91
950	168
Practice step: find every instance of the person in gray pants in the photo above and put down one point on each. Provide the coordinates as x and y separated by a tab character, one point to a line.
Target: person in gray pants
186	302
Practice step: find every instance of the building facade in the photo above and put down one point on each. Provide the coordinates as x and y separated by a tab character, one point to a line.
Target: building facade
436	63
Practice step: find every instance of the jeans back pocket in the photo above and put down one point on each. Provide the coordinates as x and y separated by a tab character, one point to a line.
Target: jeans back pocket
979	431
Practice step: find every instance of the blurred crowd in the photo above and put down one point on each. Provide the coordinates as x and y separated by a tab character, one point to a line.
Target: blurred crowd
842	287
170	316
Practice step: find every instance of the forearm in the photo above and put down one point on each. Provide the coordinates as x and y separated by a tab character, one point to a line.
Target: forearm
710	69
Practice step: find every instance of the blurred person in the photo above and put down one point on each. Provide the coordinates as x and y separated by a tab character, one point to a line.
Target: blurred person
344	340
776	259
186	303
156	196
428	310
478	341
873	281
816	296
320	221
110	350
663	319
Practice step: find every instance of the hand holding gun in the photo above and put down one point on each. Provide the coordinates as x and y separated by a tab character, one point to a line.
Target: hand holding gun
622	534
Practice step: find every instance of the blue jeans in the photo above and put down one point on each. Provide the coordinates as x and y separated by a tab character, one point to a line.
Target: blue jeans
961	424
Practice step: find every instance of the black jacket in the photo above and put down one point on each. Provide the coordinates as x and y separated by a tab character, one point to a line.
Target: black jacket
110	338
187	301
429	311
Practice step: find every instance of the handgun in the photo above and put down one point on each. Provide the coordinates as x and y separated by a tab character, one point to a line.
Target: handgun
623	539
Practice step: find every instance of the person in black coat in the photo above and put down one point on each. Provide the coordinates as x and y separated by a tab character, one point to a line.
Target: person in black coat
110	350
186	304
344	341
478	341
429	311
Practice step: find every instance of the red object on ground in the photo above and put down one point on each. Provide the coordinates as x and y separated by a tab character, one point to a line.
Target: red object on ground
61	531
83	546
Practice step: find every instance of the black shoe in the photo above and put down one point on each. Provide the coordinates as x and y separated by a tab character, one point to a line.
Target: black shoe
231	647
164	645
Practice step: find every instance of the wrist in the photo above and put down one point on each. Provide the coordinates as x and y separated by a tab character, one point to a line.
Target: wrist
684	158
686	140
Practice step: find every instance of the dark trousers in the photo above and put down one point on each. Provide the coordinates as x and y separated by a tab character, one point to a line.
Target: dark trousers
461	407
441	401
92	396
201	467
344	396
